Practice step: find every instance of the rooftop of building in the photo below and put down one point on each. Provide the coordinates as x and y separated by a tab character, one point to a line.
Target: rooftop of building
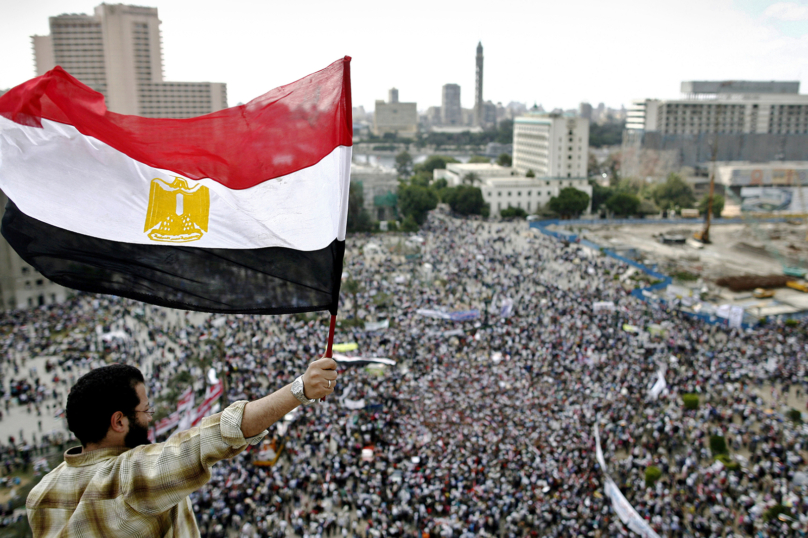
521	181
486	169
740	86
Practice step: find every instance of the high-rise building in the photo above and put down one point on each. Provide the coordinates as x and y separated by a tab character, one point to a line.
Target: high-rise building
479	113
450	111
118	51
551	145
751	121
585	111
395	117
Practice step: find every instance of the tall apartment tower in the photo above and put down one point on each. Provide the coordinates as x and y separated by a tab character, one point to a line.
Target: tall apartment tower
450	111
478	87
118	52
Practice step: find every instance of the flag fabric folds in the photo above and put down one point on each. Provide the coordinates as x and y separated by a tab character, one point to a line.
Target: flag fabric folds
239	211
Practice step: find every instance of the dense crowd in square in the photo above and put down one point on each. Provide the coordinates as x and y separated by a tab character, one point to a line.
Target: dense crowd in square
482	431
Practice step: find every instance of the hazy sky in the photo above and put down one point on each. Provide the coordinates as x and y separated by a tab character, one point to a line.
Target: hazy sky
553	53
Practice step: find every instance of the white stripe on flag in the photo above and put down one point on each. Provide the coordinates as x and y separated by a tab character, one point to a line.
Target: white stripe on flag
59	176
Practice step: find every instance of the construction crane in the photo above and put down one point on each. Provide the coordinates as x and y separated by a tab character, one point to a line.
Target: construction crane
704	235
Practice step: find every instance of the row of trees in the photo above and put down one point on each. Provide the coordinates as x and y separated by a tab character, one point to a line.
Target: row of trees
633	197
502	134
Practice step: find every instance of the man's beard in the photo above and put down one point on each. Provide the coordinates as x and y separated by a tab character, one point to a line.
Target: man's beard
138	434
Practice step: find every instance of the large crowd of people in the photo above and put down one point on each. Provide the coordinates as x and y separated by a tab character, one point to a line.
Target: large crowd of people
483	427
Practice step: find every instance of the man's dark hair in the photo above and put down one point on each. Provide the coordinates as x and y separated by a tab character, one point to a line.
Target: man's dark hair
97	395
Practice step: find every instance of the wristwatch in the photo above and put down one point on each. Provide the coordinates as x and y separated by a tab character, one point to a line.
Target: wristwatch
297	391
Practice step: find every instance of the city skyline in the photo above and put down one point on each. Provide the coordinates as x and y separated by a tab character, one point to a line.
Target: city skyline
553	55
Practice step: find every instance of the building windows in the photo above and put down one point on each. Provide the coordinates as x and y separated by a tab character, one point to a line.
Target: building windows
519	193
499	193
509	193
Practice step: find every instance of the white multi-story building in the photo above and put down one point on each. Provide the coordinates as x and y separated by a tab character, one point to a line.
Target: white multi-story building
460	173
733	107
117	51
527	193
504	187
551	145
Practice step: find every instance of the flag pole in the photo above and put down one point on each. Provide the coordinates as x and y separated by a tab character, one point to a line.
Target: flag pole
328	350
331	329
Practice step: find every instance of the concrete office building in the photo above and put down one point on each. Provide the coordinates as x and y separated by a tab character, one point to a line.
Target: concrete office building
118	51
395	117
751	120
585	111
551	145
379	190
451	113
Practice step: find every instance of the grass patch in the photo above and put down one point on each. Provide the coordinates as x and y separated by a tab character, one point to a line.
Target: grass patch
652	474
691	401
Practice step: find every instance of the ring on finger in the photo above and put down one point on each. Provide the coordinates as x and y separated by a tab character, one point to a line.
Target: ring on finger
329	383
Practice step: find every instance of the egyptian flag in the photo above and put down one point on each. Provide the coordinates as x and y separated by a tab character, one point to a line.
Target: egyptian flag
243	210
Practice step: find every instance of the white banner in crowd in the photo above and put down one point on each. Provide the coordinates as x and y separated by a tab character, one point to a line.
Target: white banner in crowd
507	307
598	451
659	386
735	316
377	325
603	306
627	514
433	314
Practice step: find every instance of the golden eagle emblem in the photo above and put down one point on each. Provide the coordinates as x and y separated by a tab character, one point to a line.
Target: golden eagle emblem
177	213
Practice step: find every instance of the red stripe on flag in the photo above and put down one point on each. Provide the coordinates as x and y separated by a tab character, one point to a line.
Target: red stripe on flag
287	129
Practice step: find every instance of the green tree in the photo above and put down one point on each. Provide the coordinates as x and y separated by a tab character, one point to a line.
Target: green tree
607	134
530	173
416	201
421	178
504	159
409	224
647	207
479	159
674	192
465	200
512	212
718	205
612	167
623	204
570	202
358	217
593	167
599	194
471	178
404	164
434	162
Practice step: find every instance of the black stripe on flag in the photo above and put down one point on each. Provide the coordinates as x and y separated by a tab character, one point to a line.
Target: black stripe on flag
274	280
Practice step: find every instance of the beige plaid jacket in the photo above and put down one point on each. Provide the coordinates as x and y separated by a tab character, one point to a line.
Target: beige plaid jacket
139	492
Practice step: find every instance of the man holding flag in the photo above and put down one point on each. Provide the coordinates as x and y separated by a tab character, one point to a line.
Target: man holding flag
117	484
239	211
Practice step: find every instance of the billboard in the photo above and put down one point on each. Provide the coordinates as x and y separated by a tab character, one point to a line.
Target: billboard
770	199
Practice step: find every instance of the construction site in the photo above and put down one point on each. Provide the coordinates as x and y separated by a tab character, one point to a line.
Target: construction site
756	263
